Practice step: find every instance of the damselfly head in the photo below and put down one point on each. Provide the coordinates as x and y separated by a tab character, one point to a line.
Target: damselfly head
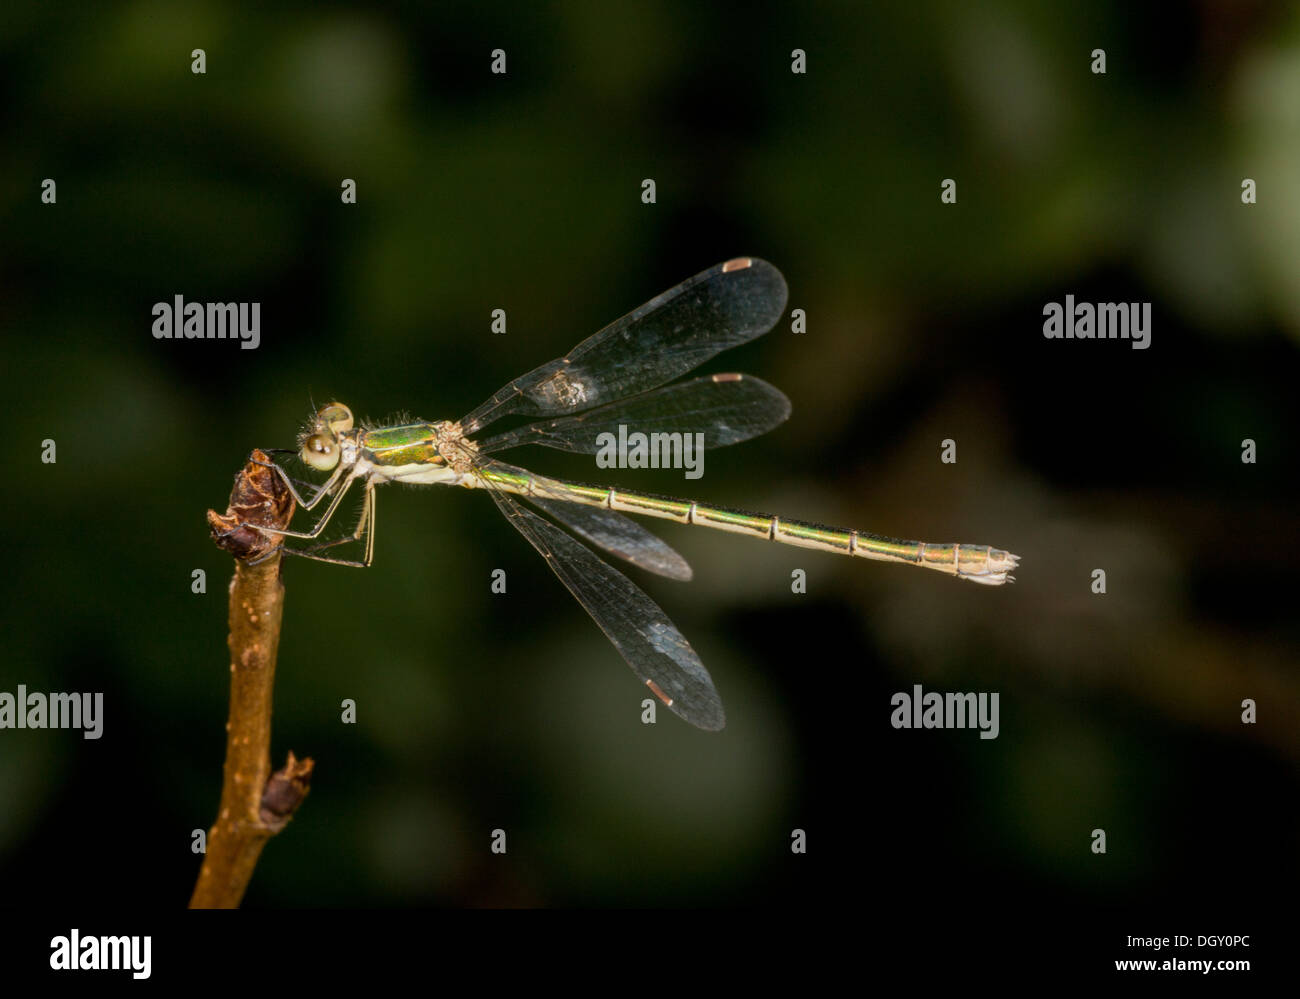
320	452
320	449
336	418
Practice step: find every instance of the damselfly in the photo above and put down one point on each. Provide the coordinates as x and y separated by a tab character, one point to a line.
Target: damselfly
614	379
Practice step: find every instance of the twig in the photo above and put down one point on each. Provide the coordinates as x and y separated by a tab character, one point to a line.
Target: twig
255	803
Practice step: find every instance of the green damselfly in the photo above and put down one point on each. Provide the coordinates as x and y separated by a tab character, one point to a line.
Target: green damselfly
614	379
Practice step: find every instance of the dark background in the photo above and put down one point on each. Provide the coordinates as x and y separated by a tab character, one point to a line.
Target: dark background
522	192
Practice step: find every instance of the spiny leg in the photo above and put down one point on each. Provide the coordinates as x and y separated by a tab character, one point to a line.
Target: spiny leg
321	491
365	525
325	517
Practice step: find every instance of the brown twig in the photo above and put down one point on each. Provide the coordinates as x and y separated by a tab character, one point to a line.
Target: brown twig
255	803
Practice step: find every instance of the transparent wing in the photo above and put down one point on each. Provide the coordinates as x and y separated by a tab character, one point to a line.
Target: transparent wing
658	653
726	408
720	308
618	535
603	527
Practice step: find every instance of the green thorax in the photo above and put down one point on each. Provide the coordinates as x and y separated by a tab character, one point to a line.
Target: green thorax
408	444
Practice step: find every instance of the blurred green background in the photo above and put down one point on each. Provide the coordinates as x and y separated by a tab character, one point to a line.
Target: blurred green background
522	192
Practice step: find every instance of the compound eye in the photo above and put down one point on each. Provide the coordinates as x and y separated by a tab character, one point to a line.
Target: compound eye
335	417
320	452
